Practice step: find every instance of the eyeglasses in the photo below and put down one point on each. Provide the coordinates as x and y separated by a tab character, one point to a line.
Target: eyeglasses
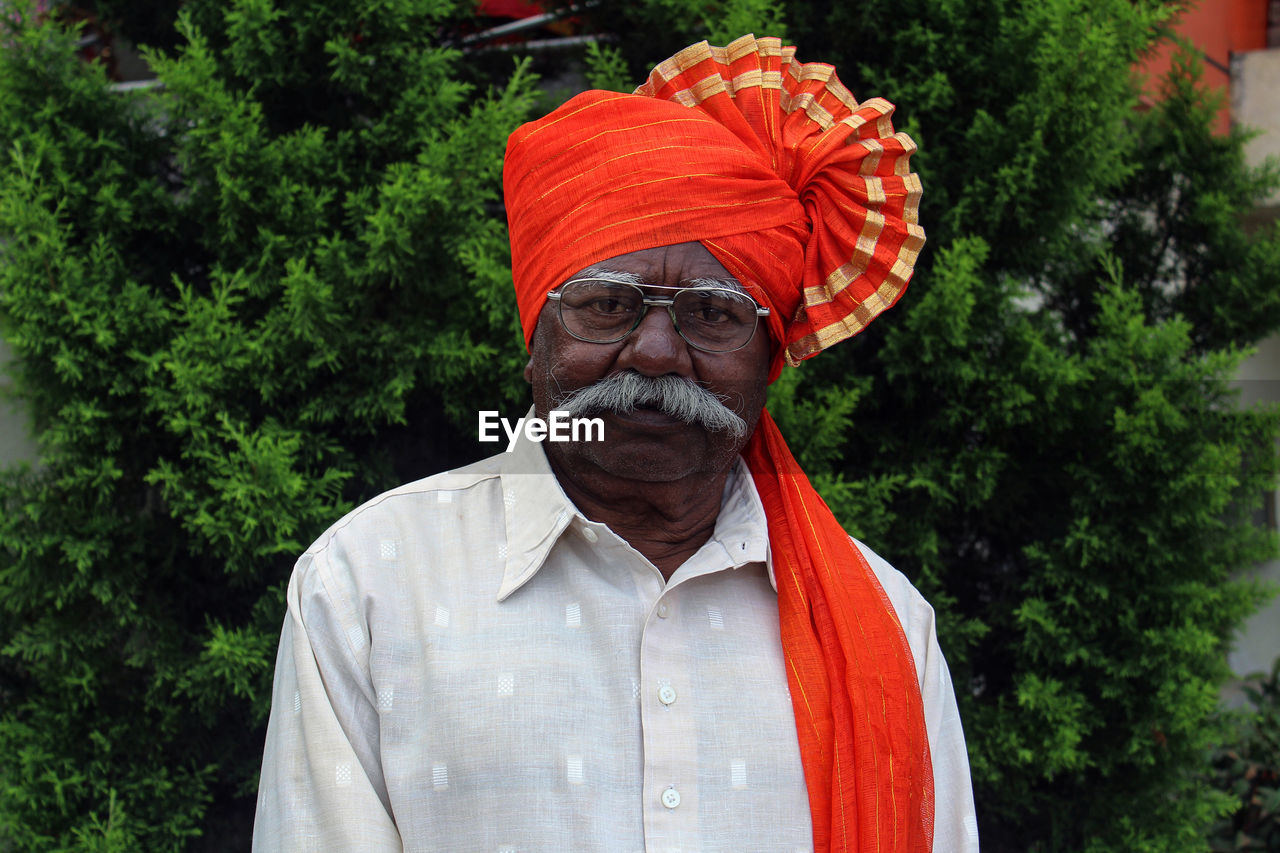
712	319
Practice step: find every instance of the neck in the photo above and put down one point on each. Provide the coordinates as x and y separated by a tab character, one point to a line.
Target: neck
666	522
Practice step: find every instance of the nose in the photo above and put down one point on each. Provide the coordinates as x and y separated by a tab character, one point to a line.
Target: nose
655	348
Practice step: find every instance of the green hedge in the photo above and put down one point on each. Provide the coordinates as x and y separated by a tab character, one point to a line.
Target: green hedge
280	284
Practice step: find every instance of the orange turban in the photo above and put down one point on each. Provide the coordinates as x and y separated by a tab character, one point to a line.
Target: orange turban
803	195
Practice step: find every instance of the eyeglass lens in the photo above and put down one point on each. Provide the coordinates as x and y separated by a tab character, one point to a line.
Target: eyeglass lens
710	318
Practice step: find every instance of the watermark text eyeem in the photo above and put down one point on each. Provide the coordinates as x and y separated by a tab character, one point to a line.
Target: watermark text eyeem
558	427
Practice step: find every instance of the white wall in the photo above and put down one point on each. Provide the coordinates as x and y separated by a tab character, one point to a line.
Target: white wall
15	431
1255	104
1258	641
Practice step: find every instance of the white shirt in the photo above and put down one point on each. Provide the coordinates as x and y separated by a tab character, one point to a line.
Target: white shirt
470	664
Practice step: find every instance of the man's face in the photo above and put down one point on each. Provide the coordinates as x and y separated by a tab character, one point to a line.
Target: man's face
646	444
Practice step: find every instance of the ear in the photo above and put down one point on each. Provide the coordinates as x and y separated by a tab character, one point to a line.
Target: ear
528	372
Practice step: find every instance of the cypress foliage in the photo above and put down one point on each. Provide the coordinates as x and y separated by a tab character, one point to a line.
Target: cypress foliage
235	303
281	285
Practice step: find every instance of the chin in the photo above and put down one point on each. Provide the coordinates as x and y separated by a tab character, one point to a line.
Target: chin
650	461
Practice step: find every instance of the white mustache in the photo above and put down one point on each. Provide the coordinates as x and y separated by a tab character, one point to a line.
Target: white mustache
682	399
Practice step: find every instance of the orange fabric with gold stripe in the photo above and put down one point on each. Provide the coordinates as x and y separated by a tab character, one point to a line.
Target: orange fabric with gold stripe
859	716
806	197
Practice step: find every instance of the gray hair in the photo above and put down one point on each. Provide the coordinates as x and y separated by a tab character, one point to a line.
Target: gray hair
631	278
681	398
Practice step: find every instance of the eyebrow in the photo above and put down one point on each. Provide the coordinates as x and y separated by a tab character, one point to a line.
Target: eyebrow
722	283
611	275
620	277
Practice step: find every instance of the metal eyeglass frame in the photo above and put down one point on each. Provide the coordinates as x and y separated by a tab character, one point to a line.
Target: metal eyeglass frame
647	301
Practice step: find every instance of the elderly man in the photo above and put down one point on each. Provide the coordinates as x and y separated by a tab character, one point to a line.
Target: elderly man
660	640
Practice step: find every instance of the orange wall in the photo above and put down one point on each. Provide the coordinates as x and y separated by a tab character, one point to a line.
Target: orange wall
1218	28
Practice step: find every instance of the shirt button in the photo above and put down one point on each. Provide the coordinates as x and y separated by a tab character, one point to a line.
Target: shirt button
663	610
671	798
666	694
589	534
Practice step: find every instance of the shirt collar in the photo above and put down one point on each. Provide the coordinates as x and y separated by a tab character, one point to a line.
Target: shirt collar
538	512
742	527
536	508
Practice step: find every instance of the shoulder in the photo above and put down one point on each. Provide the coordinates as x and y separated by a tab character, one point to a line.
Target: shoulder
955	825
402	544
914	612
411	504
906	599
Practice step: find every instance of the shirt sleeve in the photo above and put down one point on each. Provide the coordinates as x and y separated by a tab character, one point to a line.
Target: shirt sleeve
955	824
322	786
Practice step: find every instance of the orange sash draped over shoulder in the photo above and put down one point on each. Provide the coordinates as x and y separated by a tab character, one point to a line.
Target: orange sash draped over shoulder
859	716
806	197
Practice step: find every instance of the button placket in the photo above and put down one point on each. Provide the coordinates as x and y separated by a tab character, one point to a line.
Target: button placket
670	736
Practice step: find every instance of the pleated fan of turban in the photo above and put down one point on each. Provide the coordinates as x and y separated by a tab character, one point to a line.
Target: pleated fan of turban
805	196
